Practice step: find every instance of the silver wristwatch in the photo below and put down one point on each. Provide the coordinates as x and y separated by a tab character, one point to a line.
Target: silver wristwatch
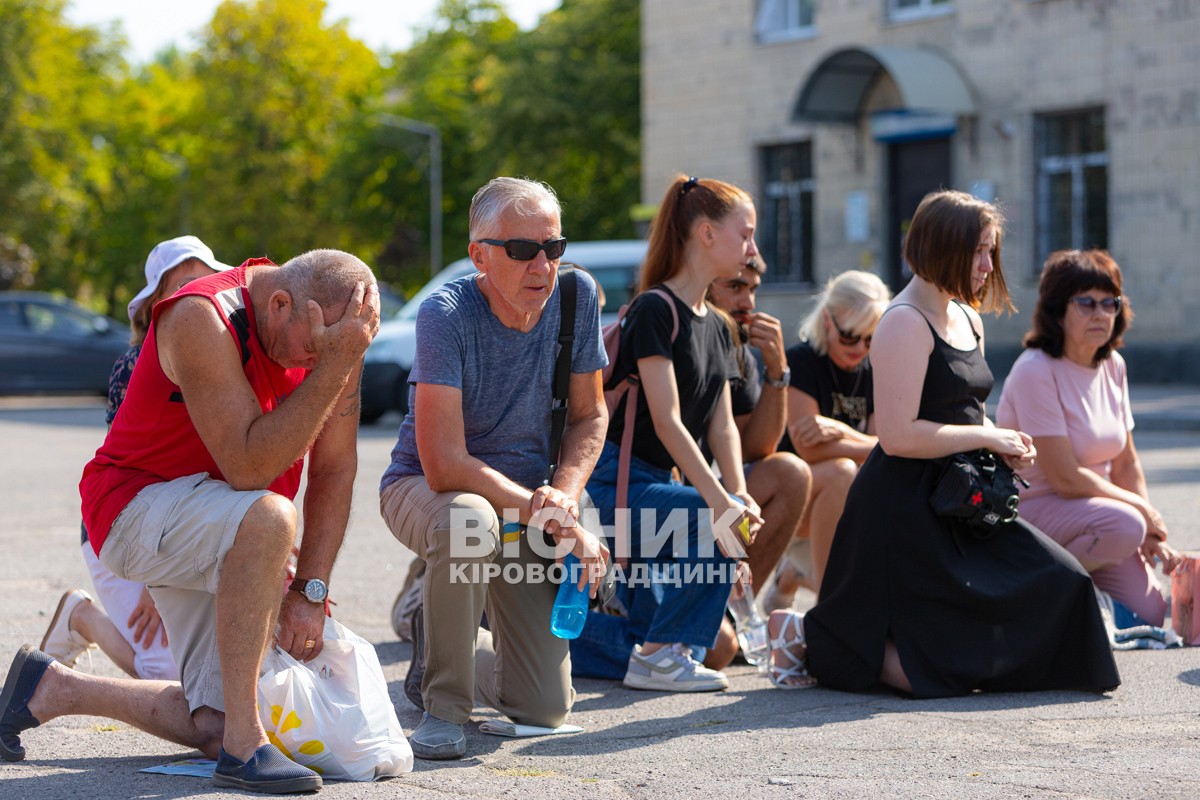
785	380
314	590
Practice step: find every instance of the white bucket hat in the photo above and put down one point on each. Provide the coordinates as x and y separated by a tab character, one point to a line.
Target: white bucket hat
167	255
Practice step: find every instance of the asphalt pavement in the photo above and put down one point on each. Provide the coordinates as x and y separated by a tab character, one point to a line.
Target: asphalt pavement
751	741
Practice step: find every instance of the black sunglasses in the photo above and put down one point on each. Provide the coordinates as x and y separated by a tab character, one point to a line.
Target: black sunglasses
527	250
847	338
1110	305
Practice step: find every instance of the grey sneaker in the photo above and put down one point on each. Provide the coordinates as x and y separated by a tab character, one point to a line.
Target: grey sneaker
672	669
438	740
416	666
409	598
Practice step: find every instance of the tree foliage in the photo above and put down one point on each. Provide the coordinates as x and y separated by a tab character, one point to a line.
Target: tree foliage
274	135
567	112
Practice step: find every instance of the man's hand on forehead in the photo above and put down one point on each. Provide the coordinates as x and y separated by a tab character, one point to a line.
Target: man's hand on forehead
348	337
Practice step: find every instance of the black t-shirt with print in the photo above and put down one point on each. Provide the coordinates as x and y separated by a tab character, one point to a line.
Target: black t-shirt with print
847	397
702	356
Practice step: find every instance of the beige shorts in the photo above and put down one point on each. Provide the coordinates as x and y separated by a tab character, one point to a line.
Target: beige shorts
173	537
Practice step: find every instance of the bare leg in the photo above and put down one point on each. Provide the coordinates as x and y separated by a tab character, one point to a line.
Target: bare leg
721	654
94	625
157	707
247	606
831	483
780	484
892	673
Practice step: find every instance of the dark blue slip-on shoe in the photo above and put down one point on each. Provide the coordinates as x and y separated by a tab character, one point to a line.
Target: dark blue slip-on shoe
268	771
24	675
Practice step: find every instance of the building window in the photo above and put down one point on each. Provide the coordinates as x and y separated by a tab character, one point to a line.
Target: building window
781	20
903	10
1072	181
786	217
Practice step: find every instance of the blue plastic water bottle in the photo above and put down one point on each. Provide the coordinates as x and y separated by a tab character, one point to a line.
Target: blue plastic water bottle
571	604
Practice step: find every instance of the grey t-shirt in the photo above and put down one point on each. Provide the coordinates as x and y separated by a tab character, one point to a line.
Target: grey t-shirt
505	376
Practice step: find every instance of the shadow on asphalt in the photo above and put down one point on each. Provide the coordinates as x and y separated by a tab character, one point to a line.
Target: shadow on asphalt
1191	677
56	417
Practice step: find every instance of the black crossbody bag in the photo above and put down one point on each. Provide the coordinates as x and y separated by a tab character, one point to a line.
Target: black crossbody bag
979	488
558	410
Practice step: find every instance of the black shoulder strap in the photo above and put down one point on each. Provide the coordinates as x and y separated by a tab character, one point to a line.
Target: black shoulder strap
562	366
970	321
240	320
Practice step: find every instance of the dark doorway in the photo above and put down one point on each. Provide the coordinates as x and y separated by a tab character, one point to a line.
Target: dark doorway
914	170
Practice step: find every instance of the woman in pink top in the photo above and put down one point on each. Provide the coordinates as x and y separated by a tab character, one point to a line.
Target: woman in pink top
1069	391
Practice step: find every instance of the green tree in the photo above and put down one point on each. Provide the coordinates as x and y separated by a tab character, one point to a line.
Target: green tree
441	80
277	91
55	81
566	109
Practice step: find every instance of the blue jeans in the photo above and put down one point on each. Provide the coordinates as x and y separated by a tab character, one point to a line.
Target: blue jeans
665	611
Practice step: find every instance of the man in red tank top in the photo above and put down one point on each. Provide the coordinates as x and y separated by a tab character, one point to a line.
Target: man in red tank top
242	374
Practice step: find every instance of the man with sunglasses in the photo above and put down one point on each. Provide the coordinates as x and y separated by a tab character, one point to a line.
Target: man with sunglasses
779	482
472	457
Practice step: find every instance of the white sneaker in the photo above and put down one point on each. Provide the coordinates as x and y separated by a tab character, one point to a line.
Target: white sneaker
61	642
672	669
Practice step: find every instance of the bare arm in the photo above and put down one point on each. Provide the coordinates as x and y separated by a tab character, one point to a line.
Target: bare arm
448	466
762	428
899	359
332	466
662	398
442	447
583	438
818	438
252	448
1067	478
723	440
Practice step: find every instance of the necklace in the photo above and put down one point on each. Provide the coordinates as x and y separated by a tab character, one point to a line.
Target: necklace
851	407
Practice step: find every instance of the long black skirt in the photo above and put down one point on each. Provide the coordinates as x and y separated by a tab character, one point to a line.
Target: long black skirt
1013	611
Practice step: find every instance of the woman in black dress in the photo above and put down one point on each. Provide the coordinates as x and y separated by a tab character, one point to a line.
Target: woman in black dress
914	600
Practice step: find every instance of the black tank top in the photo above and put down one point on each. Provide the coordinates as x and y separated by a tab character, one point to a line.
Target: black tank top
957	382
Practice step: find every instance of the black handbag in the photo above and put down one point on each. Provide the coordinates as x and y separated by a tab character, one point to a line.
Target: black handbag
979	488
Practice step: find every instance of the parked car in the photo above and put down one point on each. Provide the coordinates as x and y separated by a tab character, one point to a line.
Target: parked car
389	358
48	344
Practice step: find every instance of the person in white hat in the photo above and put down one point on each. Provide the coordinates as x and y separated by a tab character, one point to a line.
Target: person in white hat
247	376
133	636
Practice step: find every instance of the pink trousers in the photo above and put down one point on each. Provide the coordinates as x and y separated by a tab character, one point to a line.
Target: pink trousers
1105	535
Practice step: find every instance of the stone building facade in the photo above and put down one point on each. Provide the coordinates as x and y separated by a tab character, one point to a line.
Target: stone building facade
1080	117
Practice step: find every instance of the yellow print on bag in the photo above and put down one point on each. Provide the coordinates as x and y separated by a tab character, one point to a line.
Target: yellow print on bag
313	747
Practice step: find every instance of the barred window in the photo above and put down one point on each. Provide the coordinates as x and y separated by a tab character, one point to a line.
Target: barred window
786	215
1072	181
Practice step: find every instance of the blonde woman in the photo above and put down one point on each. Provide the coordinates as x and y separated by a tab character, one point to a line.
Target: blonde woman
830	411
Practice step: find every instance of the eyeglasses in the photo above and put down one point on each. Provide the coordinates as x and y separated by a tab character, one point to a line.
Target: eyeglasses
527	250
847	338
1086	304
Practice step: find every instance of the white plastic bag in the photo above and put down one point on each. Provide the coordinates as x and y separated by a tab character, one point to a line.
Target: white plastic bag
333	714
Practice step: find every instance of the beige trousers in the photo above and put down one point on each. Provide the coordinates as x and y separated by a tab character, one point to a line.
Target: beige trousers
520	668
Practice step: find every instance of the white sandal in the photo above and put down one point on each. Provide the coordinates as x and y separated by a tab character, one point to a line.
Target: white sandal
794	675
